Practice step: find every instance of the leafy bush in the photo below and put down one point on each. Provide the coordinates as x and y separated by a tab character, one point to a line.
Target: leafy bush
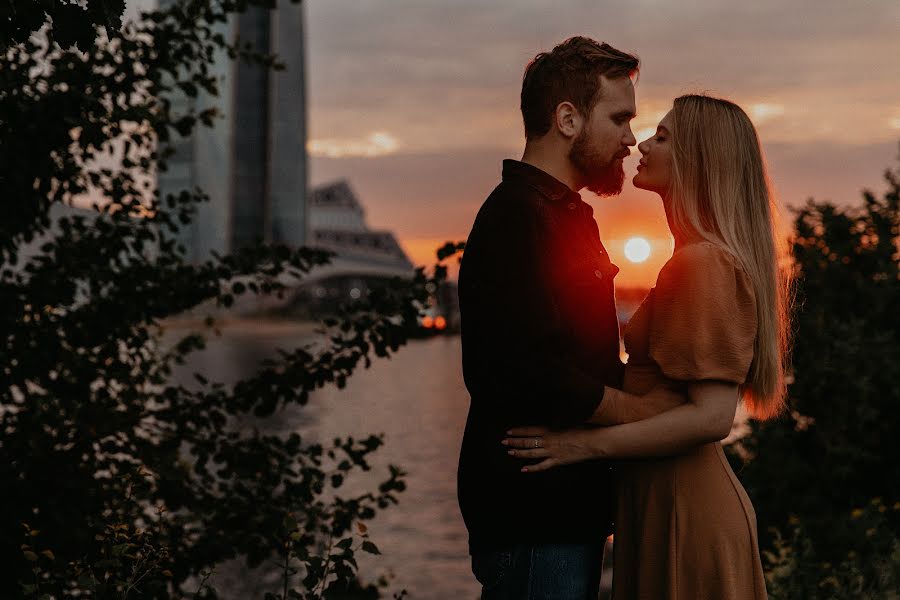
869	568
836	449
128	484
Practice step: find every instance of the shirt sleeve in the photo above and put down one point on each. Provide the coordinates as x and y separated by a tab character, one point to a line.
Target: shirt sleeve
703	324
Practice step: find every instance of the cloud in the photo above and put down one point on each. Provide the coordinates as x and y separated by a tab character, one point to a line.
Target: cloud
443	75
765	111
378	143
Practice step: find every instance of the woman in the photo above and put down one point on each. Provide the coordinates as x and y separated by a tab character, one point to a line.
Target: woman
715	327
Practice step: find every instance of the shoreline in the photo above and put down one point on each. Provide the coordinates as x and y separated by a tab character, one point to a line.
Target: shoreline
244	325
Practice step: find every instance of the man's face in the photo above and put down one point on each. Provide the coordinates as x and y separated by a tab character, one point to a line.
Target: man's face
597	152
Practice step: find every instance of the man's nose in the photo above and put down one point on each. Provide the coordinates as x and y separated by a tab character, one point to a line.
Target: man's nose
630	140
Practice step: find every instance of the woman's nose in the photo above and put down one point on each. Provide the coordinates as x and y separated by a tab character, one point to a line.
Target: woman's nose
644	147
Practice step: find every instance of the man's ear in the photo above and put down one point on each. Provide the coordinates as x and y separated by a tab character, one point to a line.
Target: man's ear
569	121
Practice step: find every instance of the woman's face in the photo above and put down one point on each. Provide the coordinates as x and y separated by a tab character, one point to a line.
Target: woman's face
655	169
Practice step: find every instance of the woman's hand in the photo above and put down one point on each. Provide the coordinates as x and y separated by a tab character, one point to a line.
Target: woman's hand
557	448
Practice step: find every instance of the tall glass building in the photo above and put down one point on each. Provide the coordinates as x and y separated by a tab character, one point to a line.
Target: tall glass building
253	163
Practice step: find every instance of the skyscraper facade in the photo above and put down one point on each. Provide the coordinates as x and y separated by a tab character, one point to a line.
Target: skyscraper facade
253	162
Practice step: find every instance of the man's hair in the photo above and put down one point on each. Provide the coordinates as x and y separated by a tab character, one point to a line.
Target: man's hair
569	73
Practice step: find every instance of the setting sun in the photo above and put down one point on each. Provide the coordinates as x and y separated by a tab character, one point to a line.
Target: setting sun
637	249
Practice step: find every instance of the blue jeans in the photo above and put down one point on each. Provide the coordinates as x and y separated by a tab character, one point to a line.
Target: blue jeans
540	572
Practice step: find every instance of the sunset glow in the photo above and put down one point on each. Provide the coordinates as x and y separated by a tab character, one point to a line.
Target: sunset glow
637	249
421	132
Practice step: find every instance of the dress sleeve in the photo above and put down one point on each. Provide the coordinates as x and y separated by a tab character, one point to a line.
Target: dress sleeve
703	323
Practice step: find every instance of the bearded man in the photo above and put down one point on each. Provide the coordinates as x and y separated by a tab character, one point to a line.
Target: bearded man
540	335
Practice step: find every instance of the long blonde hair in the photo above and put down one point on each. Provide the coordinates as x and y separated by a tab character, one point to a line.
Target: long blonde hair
720	193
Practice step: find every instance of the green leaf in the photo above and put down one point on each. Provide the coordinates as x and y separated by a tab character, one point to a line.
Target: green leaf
344	543
369	547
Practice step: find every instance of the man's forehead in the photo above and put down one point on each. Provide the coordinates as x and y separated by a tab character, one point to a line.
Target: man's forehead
617	94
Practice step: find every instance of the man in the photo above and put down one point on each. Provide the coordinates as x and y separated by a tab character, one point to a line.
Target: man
540	335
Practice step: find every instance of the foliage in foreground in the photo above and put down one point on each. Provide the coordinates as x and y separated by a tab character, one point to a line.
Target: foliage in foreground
118	481
824	479
868	570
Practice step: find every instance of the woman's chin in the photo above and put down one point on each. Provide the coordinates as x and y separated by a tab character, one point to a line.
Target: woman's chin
638	182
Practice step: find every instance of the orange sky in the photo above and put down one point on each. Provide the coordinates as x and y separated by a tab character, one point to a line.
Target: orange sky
415	102
429	199
635	213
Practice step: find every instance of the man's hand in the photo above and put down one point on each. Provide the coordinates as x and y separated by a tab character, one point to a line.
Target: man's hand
556	448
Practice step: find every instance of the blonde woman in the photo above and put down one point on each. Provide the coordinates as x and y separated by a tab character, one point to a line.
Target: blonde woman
715	327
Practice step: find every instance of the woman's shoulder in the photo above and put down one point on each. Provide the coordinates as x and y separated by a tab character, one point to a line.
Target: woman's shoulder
704	318
702	254
703	267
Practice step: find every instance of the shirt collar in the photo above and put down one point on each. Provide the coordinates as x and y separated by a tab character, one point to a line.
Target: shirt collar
543	182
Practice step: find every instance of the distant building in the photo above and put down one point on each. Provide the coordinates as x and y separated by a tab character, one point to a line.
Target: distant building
364	258
337	222
334	206
253	163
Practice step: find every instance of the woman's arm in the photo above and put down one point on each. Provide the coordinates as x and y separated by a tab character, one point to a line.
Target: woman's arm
706	417
619	407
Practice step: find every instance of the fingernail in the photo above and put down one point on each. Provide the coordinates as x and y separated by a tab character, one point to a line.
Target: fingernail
509	432
524	469
505	442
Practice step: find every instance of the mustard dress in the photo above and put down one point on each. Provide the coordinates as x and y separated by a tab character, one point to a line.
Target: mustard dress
685	527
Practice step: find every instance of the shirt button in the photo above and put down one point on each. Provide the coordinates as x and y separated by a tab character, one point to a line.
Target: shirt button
598	274
571	206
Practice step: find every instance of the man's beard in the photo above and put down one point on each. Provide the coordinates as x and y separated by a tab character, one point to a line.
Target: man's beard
602	178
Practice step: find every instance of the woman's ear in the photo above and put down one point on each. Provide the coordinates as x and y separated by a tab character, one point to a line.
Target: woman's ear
568	120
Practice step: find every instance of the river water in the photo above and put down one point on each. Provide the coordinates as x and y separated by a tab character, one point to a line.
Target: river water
417	399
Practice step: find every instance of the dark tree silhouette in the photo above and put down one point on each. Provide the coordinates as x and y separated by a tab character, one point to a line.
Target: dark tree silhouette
826	475
118	482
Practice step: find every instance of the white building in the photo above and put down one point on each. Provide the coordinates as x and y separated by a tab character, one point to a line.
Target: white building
337	222
334	206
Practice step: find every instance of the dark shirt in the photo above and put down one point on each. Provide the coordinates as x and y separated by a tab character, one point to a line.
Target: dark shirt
540	338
